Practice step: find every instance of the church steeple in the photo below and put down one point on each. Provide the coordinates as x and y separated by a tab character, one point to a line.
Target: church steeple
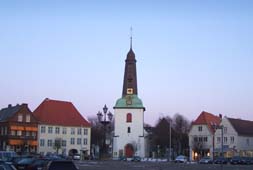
130	76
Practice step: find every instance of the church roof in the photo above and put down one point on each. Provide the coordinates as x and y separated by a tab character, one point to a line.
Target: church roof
129	101
57	112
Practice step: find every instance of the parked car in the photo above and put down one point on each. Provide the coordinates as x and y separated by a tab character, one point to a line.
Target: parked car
7	155
38	164
5	166
206	160
221	160
181	159
247	160
136	159
76	157
24	163
236	160
61	165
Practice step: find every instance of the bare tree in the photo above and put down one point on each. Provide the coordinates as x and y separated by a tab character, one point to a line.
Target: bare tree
57	144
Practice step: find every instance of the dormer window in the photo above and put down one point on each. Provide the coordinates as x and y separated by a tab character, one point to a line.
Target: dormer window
20	117
28	118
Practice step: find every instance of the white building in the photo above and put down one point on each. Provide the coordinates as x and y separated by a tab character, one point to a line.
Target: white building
62	128
237	137
129	133
201	136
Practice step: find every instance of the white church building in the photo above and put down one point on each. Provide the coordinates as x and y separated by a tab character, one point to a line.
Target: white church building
129	135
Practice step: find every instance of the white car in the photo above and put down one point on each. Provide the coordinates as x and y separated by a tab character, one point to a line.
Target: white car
76	157
181	159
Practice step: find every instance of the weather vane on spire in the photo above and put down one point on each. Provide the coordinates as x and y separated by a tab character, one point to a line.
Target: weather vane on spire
131	36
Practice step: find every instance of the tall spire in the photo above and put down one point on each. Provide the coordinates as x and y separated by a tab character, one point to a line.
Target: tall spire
130	75
131	37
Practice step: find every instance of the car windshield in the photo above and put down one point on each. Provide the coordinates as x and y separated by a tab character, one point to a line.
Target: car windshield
181	157
26	161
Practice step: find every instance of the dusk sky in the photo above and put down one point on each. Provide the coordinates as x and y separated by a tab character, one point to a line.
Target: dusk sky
192	55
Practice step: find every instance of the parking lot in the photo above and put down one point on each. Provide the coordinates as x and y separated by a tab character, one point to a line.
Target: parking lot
125	165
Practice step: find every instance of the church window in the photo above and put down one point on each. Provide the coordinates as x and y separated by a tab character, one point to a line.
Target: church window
129	117
128	130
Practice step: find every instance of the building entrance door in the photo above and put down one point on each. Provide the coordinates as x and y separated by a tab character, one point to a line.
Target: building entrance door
129	150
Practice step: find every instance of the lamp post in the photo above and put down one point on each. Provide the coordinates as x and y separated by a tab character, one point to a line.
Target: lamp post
104	118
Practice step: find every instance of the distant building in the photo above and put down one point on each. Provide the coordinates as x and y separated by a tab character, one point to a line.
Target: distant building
237	137
18	129
201	135
62	129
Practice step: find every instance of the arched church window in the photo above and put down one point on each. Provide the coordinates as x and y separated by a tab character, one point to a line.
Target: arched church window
128	130
129	117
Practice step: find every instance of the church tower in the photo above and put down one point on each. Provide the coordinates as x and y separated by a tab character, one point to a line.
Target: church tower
129	115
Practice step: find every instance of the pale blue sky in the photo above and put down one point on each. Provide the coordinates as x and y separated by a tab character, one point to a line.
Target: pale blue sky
192	55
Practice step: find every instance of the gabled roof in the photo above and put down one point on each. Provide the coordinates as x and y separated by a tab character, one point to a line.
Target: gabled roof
208	119
8	112
242	127
57	112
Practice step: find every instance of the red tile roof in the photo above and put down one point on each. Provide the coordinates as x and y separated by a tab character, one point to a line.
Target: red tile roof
57	112
208	119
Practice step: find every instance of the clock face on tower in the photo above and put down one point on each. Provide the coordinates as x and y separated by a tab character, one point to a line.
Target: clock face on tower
130	90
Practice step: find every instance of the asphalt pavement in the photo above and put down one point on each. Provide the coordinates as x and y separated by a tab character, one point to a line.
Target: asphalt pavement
125	165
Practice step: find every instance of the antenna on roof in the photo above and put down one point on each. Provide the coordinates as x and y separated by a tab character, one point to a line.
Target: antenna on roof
131	37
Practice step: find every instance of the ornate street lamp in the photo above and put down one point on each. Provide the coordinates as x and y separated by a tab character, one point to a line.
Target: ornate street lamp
104	118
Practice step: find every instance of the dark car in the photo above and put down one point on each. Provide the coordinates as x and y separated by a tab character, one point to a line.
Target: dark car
24	163
61	165
246	160
220	160
206	160
136	159
38	164
236	160
6	166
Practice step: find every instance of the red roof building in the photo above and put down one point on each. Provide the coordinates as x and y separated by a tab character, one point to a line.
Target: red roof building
201	135
62	113
61	123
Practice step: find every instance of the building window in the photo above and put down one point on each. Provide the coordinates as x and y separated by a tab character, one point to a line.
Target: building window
20	117
129	117
57	130
200	139
85	141
50	129
42	142
13	133
200	128
128	130
72	131
85	131
33	134
27	118
232	139
64	130
205	139
225	130
72	141
247	141
19	133
79	141
64	143
42	129
225	140
49	143
79	131
195	139
27	133
218	139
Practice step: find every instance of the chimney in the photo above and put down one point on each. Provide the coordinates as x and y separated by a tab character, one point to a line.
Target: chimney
9	105
220	116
